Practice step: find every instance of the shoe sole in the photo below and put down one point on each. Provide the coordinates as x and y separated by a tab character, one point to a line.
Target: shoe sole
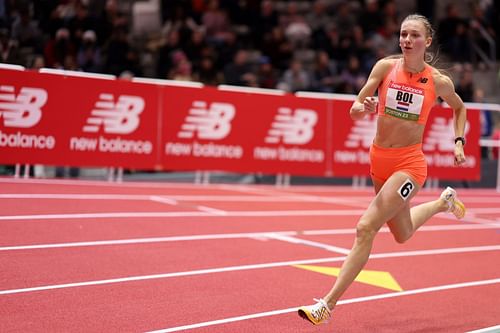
304	316
462	209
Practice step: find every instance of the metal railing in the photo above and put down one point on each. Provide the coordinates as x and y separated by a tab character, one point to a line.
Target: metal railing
488	58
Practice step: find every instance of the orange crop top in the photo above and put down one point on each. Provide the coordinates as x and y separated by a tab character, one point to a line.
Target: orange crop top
405	95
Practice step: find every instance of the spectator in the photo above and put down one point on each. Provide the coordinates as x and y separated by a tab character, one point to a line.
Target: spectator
465	85
295	78
9	51
38	62
353	77
58	48
295	27
319	19
89	57
235	71
266	73
278	48
181	22
25	31
324	74
171	45
371	18
216	22
196	47
182	67
80	23
206	72
451	31
345	18
120	55
267	20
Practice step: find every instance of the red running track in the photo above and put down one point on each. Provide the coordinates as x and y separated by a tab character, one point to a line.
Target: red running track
97	257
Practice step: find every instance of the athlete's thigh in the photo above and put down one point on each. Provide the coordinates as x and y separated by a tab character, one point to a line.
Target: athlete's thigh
392	199
401	223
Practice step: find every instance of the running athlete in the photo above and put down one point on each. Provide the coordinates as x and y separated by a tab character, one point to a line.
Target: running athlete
407	90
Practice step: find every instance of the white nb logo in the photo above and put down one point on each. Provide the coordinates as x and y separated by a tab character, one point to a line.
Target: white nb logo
121	117
296	128
440	135
212	123
23	110
362	133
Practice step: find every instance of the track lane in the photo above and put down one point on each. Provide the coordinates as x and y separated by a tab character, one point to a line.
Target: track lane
160	303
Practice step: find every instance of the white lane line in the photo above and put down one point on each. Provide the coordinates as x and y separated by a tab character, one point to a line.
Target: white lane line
208	212
211	210
164	200
492	329
68	196
100	183
264	213
341	302
263	235
294	240
250	267
201	197
144	240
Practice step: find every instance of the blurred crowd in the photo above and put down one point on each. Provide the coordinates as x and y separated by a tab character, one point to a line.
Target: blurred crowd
321	45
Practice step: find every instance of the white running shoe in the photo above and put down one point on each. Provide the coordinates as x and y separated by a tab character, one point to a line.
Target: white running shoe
317	313
455	206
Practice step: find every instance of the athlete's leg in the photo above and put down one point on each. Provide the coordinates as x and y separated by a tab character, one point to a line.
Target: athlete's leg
404	224
384	207
404	227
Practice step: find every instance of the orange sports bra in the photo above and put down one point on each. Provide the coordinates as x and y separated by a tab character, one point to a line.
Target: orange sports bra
405	95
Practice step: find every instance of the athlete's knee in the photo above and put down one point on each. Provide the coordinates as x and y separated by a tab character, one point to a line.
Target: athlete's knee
365	231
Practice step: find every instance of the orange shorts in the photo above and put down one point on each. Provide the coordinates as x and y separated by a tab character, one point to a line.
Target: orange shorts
385	161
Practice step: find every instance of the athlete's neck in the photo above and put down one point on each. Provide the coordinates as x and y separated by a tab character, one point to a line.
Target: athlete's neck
413	66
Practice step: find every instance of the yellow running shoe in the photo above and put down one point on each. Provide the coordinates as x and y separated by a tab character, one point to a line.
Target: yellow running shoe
455	206
317	313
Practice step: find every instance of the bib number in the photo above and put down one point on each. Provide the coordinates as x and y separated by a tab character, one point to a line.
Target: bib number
406	189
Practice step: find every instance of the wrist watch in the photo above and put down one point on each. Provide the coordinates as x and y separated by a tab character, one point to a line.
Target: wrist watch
460	138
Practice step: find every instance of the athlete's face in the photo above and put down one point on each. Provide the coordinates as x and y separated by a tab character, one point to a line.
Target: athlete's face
413	38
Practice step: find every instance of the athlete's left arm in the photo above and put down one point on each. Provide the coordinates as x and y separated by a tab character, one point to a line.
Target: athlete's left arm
446	90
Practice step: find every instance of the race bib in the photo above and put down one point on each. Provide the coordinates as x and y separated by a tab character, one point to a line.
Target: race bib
404	101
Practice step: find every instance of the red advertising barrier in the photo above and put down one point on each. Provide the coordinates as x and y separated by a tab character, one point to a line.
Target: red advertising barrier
244	132
61	120
67	120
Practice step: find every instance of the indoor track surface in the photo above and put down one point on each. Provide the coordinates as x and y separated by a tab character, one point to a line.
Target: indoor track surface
82	256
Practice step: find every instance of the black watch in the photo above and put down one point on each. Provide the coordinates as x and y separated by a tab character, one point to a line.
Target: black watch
460	138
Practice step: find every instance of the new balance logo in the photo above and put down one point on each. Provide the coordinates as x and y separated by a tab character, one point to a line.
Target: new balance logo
292	128
423	80
211	122
362	133
440	136
24	109
121	117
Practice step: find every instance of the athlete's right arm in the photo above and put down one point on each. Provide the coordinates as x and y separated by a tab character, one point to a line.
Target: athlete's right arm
365	103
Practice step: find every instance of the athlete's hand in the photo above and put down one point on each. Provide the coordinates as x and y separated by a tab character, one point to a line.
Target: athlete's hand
459	153
370	104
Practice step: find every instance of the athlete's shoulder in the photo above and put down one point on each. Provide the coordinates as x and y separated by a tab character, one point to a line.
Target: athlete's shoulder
440	77
387	62
442	82
383	66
